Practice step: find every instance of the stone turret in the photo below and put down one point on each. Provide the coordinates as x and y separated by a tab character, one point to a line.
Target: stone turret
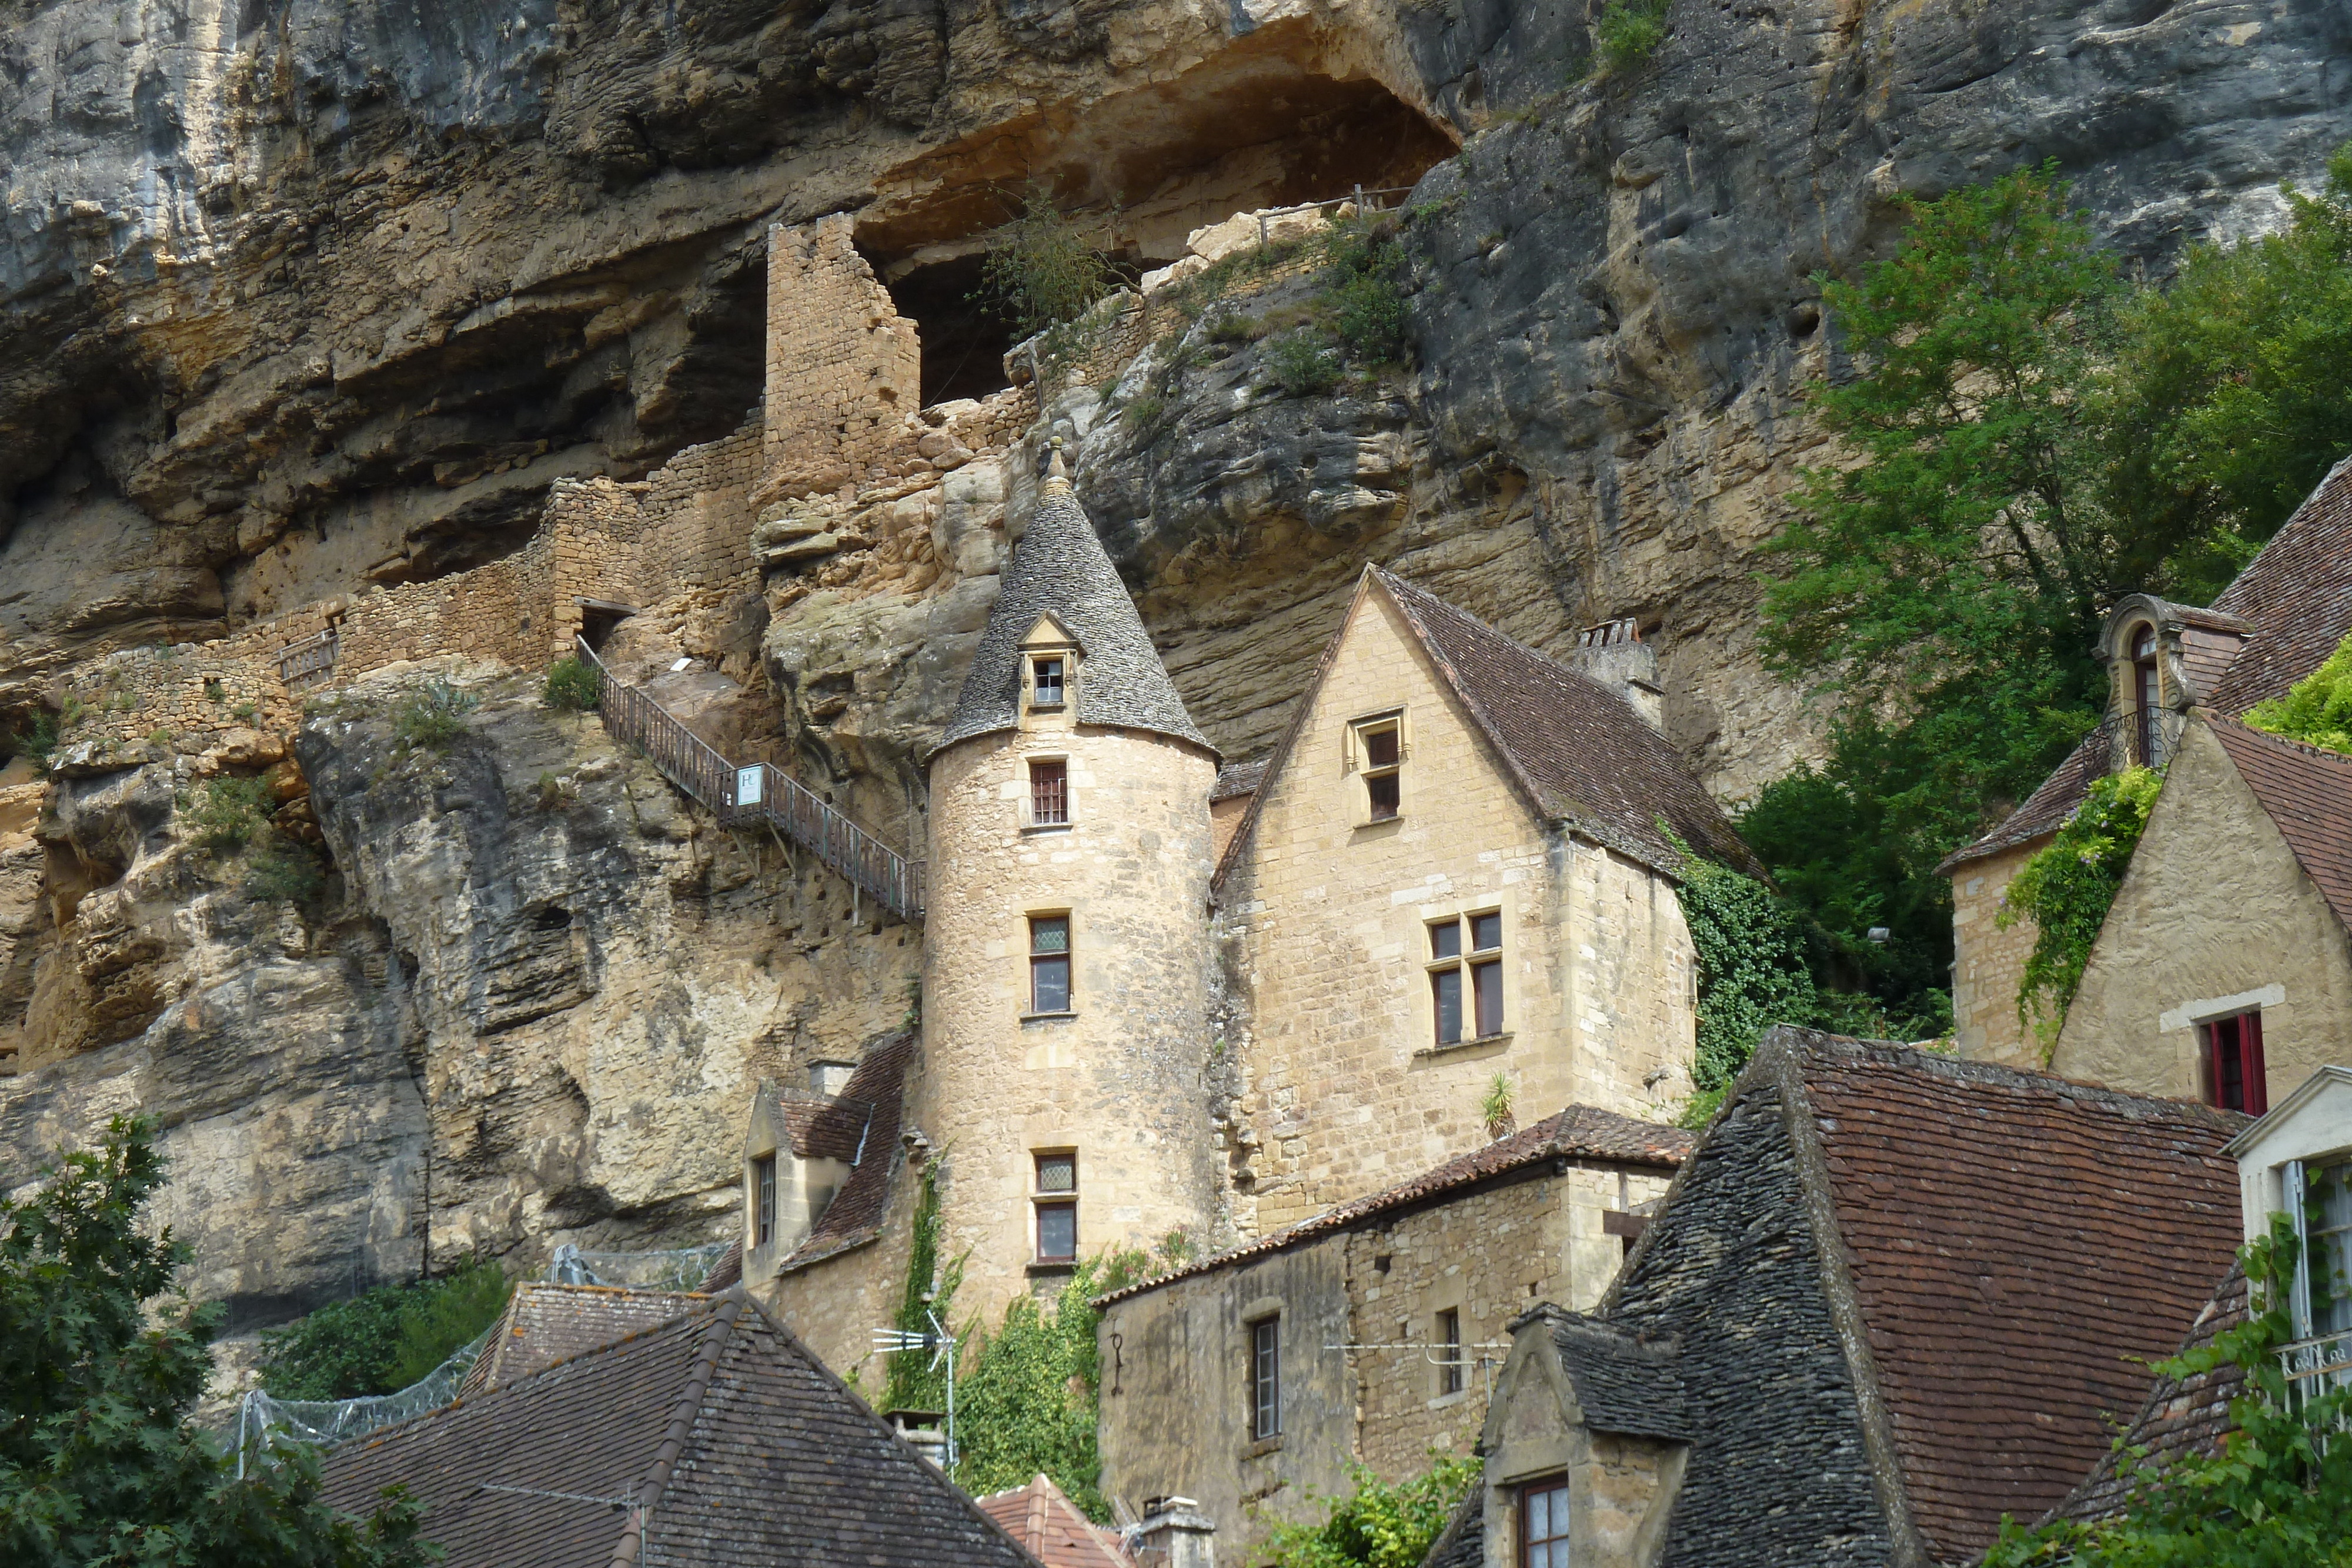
1066	946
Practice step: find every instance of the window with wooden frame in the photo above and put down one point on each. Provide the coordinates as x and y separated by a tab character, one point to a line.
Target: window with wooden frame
1046	680
764	1200
2230	1053
2145	698
1049	963
1265	1378
1449	1347
1379	761
1055	1200
1543	1523
2322	1304
1466	985
1049	792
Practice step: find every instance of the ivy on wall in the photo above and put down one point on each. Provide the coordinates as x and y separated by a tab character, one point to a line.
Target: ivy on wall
1379	1525
2065	889
1752	973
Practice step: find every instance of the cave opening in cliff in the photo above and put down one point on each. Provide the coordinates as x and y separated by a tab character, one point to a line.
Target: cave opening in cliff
1285	116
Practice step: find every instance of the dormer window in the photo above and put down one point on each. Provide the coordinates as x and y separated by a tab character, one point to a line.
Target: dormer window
764	1200
1379	761
2146	695
1045	682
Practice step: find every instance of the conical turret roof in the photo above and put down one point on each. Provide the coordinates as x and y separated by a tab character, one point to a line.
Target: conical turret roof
1060	569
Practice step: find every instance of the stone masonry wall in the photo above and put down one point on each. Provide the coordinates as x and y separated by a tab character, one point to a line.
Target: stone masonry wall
1326	919
1490	1256
1118	1079
1989	964
845	371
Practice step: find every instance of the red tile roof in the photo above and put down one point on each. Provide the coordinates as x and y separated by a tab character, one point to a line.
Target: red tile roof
2295	599
2020	1248
546	1323
1043	1519
2308	793
2182	1415
1578	1133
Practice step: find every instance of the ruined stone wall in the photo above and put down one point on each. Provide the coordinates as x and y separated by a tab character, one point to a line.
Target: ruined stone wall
845	371
503	609
1489	1255
1118	1078
1989	964
1327	918
142	705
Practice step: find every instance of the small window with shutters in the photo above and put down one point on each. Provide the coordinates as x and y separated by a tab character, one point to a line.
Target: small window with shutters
1379	746
2230	1055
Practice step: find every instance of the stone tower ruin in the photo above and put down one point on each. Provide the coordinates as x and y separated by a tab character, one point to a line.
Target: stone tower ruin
1066	950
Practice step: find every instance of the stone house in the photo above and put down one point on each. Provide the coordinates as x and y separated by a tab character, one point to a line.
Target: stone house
1370	1333
2275	624
1892	1297
1461	862
719	1437
2224	965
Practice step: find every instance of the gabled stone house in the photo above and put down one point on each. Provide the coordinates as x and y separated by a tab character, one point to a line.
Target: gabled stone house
1892	1297
2224	965
2167	665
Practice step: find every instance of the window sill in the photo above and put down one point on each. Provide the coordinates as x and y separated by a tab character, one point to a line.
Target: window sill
1379	824
1448	1050
1048	707
1047	1267
1027	1018
1445	1401
1263	1446
1047	827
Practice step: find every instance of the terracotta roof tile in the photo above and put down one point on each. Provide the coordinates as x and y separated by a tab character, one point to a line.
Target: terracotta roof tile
1578	1133
1050	1528
745	1450
2182	1415
546	1323
2308	793
2021	1246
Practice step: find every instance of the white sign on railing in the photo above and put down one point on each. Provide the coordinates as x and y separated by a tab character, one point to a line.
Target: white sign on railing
747	785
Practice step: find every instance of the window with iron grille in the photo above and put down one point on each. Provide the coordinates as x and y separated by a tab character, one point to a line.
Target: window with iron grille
1049	963
1055	1200
1465	986
1543	1523
1049	792
2231	1053
1265	1378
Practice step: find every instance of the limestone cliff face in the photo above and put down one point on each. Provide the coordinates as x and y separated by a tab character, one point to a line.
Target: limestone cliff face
298	298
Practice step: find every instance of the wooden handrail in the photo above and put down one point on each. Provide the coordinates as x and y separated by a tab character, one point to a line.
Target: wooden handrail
758	791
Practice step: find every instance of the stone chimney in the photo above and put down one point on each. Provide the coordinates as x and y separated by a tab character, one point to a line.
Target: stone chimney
1614	654
1175	1534
828	1077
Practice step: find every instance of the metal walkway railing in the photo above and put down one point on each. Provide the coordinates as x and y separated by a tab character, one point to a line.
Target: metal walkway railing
758	791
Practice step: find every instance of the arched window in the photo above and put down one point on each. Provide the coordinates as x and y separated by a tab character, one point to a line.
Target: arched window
2145	695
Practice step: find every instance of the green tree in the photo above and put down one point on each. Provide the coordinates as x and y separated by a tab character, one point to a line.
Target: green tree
101	1360
2279	1495
1379	1525
383	1340
1040	271
2315	710
2229	400
2066	887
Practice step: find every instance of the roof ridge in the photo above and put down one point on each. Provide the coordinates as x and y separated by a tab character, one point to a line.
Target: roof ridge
2288	742
1895	1052
629	1549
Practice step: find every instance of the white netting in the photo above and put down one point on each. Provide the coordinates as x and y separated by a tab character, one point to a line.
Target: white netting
335	1420
679	1268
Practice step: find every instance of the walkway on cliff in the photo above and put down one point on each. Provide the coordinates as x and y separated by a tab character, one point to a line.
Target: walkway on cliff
756	791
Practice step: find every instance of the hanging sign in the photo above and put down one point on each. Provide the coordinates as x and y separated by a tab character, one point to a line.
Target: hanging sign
747	783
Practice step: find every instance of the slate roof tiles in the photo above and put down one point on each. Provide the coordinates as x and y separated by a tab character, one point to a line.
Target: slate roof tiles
744	1450
1061	568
